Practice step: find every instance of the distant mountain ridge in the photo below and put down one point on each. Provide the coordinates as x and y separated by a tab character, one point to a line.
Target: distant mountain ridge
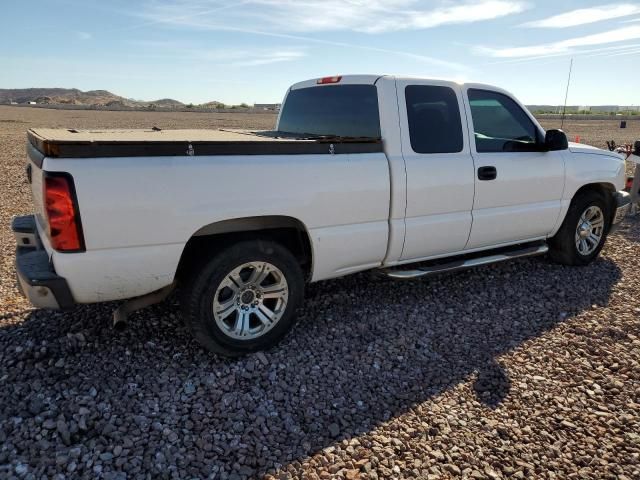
74	96
166	102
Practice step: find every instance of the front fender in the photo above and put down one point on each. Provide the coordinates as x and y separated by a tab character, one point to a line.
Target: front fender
590	168
598	168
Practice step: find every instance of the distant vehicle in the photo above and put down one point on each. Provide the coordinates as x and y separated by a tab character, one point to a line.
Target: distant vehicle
410	177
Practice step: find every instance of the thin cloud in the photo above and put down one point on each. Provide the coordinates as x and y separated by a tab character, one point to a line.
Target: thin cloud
288	19
233	57
271	57
425	59
584	16
369	16
247	58
629	52
585	53
418	57
191	14
203	24
452	15
564	46
84	35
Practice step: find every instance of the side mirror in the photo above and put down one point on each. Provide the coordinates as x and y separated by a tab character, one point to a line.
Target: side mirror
555	140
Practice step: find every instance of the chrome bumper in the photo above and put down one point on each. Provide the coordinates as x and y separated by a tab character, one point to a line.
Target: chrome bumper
622	206
37	279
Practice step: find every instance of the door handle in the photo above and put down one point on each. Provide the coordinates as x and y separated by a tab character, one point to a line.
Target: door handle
487	173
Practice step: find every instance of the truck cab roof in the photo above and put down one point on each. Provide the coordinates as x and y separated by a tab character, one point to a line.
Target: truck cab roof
371	79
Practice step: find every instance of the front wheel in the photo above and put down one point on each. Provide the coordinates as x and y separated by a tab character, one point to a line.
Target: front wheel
583	232
245	298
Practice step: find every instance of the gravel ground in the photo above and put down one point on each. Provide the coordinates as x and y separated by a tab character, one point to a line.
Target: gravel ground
518	370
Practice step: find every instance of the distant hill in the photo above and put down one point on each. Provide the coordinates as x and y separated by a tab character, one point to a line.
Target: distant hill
60	96
166	102
74	96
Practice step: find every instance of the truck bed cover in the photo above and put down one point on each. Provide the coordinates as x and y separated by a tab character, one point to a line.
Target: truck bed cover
73	143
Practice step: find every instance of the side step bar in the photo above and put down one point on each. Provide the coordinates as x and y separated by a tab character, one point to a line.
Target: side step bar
452	266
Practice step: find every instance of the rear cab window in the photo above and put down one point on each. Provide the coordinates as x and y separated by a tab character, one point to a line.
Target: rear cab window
500	124
434	120
331	110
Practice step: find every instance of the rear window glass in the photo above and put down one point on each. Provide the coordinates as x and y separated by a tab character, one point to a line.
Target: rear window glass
434	119
344	110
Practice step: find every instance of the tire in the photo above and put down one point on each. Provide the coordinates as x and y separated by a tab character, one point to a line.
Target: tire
566	247
230	283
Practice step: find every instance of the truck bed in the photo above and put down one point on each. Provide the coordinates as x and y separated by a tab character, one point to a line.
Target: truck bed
73	143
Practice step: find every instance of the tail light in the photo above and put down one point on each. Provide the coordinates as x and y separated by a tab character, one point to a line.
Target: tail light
63	218
325	80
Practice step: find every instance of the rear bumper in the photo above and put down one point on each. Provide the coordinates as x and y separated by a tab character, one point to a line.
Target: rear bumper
622	205
37	278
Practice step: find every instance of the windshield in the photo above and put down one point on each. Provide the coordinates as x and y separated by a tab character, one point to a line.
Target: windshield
340	110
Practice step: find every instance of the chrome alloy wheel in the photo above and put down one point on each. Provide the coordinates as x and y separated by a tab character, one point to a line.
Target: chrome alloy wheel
590	230
250	300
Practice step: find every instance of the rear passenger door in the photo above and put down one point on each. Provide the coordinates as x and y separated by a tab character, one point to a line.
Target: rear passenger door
440	175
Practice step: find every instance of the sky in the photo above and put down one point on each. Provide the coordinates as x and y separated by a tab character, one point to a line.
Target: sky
251	51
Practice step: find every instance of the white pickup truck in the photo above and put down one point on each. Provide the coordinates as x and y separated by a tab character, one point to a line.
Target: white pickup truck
407	176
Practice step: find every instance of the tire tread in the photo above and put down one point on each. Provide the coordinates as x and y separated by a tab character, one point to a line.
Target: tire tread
192	295
562	248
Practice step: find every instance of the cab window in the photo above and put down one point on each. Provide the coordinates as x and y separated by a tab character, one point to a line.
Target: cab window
500	125
434	119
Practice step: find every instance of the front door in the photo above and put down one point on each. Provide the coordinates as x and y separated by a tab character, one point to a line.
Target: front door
518	187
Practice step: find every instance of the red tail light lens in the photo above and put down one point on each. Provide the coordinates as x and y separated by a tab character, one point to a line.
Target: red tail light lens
324	80
62	214
629	183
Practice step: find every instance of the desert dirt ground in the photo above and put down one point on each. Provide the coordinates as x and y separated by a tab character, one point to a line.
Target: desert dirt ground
519	370
597	132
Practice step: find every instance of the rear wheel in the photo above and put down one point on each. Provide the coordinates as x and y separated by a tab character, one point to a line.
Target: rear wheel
245	298
583	232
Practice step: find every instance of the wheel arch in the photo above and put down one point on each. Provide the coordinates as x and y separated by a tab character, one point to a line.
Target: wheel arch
601	187
288	231
606	189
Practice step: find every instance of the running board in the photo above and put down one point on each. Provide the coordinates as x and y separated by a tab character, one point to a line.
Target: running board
452	266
